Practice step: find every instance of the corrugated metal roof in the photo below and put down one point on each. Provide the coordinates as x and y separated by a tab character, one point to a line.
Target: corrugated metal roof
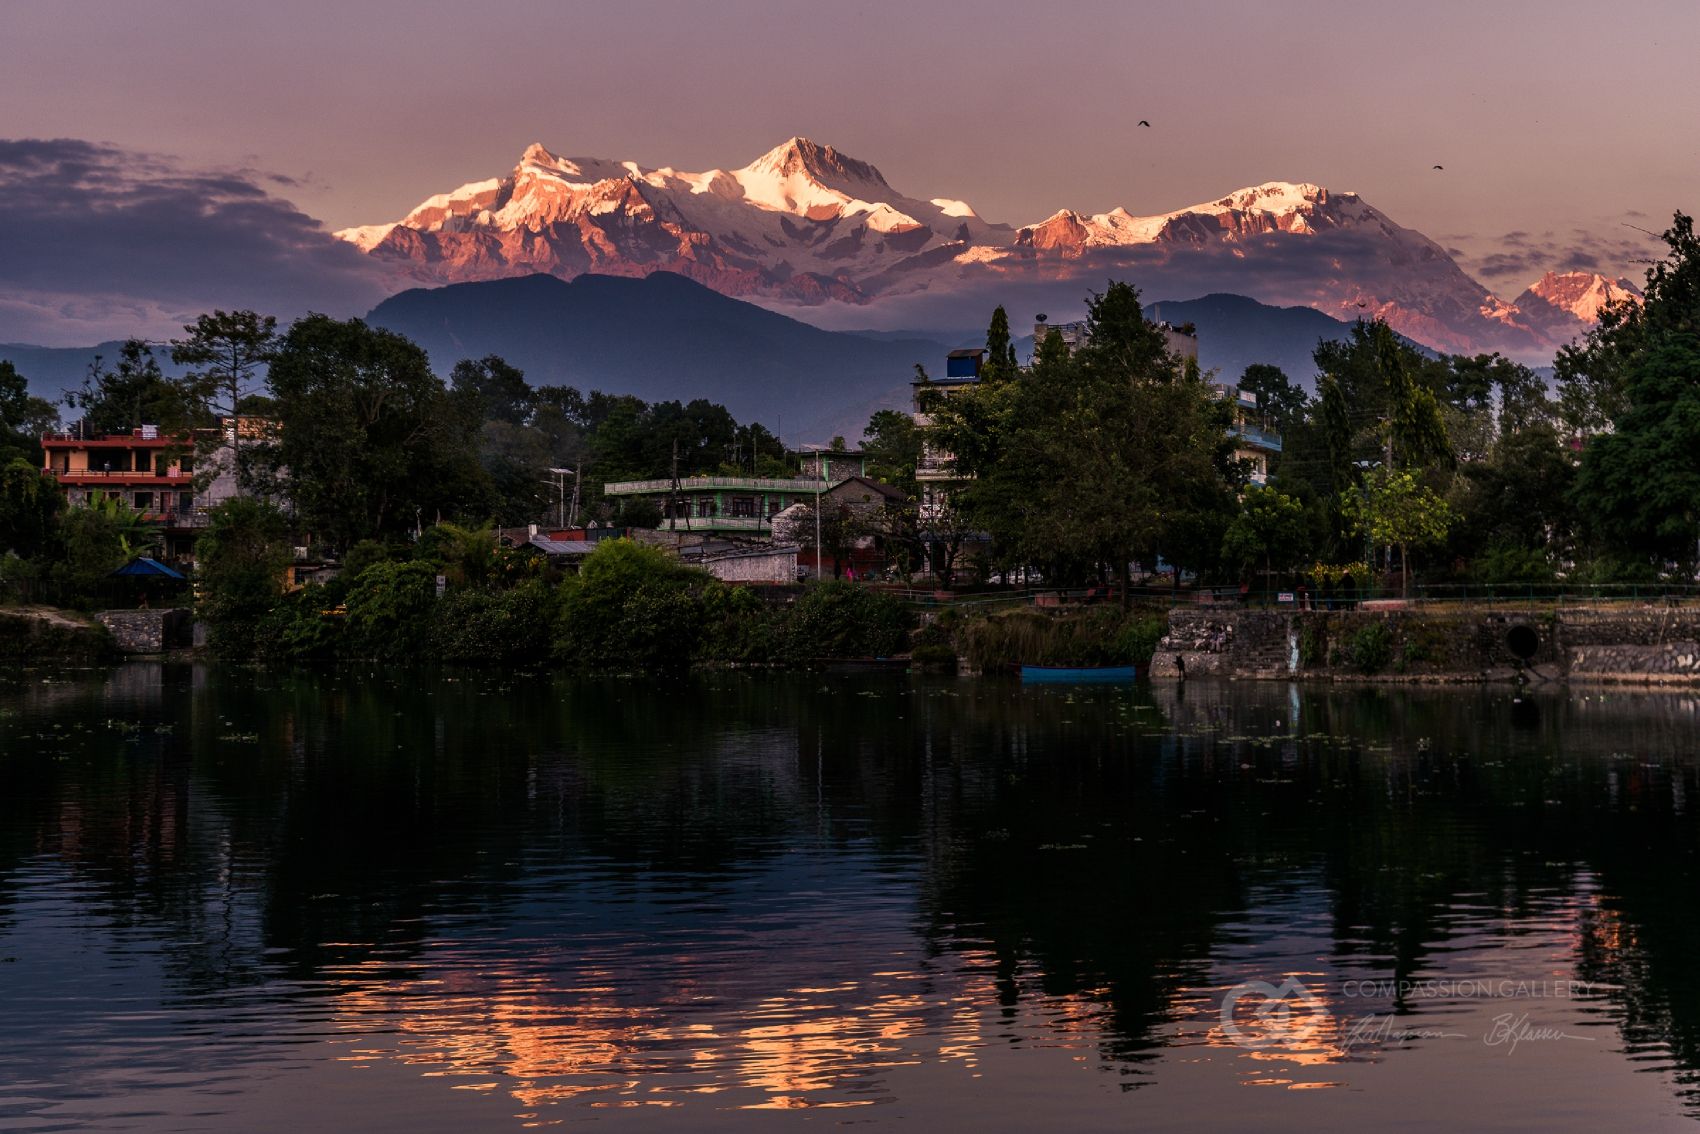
749	552
563	546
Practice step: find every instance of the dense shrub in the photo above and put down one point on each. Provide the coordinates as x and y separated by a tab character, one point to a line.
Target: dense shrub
1313	645
300	626
631	606
511	626
1370	647
240	562
1100	635
838	619
363	555
739	626
389	610
1608	570
1139	637
1505	564
935	643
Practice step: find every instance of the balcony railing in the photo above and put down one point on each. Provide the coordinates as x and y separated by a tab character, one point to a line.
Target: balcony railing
718	523
177	518
704	483
120	474
1261	438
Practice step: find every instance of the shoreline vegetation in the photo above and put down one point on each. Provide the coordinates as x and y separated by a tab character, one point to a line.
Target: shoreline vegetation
629	607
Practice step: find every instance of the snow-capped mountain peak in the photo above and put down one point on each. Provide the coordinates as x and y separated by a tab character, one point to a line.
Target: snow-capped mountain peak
1580	294
806	223
800	157
806	179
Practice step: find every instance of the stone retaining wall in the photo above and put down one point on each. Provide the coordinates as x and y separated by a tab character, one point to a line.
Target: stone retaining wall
145	631
1636	644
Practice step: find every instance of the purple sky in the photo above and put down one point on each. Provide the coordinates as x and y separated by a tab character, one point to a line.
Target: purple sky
1559	120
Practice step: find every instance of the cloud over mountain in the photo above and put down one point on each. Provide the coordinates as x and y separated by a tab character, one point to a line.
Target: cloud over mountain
102	241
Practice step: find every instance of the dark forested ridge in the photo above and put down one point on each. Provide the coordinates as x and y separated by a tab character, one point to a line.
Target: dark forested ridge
662	337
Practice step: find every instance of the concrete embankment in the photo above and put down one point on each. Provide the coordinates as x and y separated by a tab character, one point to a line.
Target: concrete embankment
1640	644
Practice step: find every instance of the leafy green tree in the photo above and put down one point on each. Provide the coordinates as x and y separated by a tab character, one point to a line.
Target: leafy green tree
96	539
1396	509
240	561
465	556
630	607
370	442
1270	529
133	393
1280	401
30	504
1523	400
1389	397
1415	430
227	352
892	443
23	417
389	610
1639	485
635	512
501	390
1086	461
516	460
835	619
1000	361
1519	496
1592	375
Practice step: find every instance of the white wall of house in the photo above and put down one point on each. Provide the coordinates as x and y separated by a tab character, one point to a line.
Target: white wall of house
765	565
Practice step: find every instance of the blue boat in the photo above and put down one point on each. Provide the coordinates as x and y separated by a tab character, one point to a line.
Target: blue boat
1077	674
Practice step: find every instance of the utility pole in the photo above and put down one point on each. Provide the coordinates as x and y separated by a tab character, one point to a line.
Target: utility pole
673	492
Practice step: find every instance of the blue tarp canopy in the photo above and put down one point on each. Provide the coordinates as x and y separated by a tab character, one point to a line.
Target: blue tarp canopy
144	568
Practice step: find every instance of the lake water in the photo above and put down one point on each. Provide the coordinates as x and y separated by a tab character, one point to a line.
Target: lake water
367	899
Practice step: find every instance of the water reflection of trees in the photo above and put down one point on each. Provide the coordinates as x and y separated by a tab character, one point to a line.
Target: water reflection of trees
1093	843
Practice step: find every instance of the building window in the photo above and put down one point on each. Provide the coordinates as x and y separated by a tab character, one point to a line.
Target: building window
144	501
743	506
705	507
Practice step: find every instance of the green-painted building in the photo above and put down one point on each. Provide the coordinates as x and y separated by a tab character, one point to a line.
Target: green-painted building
742	504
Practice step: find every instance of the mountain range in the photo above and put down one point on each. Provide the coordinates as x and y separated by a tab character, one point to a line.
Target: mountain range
806	226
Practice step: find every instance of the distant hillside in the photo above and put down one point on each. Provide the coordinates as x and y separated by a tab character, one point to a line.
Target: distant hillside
666	337
52	371
1234	332
660	337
